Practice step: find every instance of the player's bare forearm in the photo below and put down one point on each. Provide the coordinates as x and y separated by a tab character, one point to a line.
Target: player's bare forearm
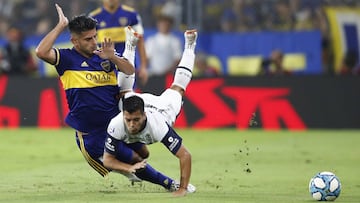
112	163
185	166
106	51
44	49
123	65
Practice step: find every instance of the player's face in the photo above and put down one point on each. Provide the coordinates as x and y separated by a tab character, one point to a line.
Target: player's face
85	43
134	122
111	3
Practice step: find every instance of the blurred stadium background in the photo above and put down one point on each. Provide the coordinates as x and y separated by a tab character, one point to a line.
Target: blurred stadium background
319	39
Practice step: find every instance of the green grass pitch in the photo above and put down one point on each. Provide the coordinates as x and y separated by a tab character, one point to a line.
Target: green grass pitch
228	166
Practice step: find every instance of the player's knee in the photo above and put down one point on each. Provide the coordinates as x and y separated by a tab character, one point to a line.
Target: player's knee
136	158
145	155
143	152
178	88
139	156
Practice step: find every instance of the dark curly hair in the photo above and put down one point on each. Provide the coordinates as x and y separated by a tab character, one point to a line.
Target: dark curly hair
133	103
82	23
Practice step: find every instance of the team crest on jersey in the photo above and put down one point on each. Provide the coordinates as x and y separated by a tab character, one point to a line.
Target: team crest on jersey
106	66
123	21
102	24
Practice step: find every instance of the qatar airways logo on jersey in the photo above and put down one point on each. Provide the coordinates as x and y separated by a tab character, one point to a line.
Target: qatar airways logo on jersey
98	78
208	96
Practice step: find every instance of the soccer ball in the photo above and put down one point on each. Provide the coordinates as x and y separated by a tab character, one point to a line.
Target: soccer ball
325	186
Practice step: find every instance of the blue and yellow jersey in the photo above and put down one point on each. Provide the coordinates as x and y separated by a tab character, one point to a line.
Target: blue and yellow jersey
112	25
91	89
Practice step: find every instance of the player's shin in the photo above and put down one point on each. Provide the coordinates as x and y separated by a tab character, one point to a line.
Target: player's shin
129	53
153	176
125	82
130	45
184	70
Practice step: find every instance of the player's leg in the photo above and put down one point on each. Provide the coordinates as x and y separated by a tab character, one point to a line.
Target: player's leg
126	82
172	96
128	155
184	70
92	148
132	39
140	149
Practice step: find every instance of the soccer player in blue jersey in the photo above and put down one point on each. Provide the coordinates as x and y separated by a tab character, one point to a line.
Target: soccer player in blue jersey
88	75
147	119
113	18
89	79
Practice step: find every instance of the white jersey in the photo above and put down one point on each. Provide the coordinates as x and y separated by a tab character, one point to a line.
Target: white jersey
161	112
155	129
168	103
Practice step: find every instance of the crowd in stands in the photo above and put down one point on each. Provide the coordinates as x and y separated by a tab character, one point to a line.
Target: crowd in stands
37	17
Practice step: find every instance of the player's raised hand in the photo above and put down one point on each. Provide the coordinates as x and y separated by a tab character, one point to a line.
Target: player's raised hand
107	49
63	20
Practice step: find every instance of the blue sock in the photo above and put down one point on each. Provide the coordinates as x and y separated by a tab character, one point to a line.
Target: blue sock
153	176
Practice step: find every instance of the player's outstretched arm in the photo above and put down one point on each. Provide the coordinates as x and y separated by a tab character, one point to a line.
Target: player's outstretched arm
44	49
112	163
185	170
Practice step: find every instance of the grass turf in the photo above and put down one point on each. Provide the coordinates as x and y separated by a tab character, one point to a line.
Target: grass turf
228	166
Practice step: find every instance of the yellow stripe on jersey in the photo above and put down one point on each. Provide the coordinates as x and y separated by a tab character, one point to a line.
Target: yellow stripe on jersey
95	12
127	8
116	34
94	164
87	79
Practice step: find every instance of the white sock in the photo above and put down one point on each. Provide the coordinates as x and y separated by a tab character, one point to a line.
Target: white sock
125	82
190	46
184	70
188	59
129	53
182	77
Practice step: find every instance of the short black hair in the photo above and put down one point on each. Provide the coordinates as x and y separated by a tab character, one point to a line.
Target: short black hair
82	23
133	103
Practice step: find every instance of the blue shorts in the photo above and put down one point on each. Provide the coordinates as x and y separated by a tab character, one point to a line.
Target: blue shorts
125	151
92	146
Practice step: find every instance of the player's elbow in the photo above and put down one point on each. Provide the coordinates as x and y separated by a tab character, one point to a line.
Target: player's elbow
40	53
127	68
186	156
183	154
108	161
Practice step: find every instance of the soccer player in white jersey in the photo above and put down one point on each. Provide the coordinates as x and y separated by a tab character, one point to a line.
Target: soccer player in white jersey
146	119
